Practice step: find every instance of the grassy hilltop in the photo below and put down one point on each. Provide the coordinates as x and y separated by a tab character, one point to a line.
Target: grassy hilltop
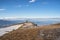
30	31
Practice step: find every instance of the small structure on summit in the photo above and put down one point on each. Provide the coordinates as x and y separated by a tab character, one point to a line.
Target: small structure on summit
28	24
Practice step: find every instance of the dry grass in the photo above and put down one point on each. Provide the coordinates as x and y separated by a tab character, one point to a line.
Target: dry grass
49	32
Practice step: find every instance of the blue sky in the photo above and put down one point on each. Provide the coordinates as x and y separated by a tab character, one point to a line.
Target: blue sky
29	8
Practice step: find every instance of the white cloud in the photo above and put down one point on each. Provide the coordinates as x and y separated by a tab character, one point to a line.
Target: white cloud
32	1
19	6
2	9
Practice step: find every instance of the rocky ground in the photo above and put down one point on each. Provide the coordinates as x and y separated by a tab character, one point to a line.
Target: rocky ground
30	31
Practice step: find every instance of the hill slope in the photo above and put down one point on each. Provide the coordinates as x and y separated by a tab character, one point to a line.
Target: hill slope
49	32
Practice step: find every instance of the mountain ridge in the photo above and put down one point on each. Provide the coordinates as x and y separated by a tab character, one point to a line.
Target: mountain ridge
48	32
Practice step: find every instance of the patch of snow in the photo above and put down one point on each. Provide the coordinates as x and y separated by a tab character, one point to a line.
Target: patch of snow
10	28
